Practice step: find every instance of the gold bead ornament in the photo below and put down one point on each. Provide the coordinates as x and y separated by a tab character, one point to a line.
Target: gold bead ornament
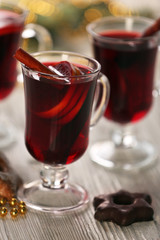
3	201
14	212
22	204
3	211
22	210
13	205
13	202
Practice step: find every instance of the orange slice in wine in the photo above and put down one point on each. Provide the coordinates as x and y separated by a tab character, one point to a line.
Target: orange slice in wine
78	93
60	106
75	110
68	70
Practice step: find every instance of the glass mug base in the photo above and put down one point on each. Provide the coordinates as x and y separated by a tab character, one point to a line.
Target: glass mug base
133	158
55	201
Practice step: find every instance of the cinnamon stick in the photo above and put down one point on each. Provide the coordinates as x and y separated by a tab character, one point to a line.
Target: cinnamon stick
31	62
155	27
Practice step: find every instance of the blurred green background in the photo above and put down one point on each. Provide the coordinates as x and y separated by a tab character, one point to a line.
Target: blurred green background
66	20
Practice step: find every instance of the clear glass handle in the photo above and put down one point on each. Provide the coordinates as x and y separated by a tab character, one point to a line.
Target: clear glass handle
44	42
40	33
156	89
101	98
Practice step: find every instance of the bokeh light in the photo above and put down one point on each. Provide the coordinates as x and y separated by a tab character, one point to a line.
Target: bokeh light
66	19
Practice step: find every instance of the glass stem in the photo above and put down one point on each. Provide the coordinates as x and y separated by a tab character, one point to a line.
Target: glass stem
54	177
124	138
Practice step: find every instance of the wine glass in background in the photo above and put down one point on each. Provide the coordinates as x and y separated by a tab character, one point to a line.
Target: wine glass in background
128	60
12	27
59	112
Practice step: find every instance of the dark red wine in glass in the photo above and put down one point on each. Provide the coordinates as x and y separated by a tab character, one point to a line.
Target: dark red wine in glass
131	74
10	32
128	60
11	27
61	105
58	118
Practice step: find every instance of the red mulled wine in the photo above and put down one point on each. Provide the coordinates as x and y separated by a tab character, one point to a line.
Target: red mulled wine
130	69
58	115
10	31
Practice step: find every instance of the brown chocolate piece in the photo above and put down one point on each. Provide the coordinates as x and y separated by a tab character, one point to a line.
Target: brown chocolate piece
9	180
123	208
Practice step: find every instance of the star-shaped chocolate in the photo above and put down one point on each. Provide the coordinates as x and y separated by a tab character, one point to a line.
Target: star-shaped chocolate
123	208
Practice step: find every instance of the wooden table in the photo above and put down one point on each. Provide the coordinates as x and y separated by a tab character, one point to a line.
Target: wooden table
96	179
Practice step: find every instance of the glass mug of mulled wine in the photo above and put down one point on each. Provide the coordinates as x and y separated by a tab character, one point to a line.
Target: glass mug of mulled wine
60	108
12	30
128	60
